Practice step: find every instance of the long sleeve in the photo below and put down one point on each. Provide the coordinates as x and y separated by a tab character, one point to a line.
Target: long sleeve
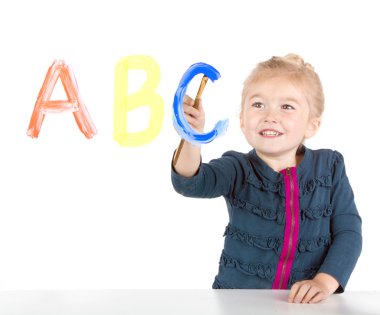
345	226
213	179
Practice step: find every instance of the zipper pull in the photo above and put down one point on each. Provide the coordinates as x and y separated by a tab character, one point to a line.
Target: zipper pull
288	171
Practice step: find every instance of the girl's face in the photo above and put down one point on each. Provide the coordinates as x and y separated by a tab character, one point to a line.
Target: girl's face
275	119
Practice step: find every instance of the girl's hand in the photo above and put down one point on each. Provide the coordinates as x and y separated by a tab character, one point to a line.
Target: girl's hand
195	117
313	291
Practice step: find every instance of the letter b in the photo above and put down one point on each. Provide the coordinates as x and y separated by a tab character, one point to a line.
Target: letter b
146	96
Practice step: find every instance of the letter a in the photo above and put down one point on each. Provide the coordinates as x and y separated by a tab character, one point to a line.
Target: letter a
124	102
73	104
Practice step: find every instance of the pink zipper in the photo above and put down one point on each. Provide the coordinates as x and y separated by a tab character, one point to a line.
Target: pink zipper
291	232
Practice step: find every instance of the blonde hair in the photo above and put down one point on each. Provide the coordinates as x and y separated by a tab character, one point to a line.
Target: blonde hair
300	72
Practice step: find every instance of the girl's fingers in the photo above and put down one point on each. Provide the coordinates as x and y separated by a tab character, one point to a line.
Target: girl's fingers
317	298
298	292
313	292
307	291
190	110
193	122
188	100
304	288
194	116
293	292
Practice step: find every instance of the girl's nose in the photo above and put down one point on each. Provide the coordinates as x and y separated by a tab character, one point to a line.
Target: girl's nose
271	116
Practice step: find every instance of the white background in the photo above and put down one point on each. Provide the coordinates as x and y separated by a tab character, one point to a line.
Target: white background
90	214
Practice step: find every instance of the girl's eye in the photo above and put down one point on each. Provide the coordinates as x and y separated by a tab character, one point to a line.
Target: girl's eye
258	105
287	107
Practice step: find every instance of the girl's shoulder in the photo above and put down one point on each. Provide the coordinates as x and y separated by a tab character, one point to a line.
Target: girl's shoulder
239	158
235	154
323	159
325	155
233	161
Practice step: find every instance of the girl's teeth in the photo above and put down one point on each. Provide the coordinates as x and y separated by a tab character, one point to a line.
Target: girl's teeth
270	133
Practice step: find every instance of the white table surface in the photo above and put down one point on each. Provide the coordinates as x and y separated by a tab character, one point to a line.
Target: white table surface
180	302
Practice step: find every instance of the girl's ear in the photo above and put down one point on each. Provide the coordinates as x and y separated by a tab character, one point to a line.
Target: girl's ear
313	127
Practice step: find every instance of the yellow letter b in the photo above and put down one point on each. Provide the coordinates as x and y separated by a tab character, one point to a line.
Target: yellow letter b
124	102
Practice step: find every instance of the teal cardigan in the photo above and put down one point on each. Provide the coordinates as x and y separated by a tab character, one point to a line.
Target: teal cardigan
283	226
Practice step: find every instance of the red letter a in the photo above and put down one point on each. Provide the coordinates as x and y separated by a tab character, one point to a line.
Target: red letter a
73	103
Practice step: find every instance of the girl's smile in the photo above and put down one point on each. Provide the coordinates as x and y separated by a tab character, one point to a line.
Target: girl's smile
270	133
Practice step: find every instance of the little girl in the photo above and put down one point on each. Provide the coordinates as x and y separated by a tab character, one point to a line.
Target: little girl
293	223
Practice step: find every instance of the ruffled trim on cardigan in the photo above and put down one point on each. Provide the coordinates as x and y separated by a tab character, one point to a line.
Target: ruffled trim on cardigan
316	213
313	244
266	185
274	243
279	215
309	186
268	214
264	271
305	188
266	243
